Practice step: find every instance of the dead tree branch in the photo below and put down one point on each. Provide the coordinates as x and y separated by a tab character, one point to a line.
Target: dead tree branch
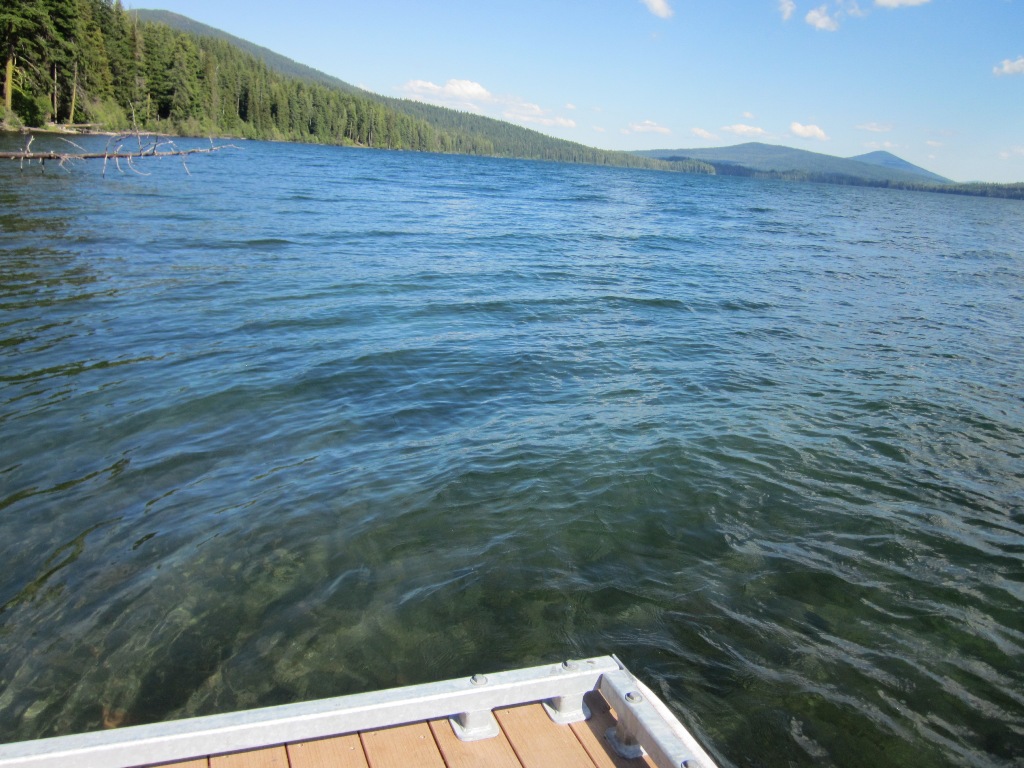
116	150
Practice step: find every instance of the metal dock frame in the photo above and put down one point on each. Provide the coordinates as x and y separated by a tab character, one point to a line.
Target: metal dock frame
645	724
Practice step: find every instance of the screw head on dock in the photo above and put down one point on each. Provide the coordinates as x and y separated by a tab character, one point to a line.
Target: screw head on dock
633	697
478	680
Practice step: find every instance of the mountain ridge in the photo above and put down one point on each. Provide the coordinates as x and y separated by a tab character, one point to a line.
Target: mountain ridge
889	160
272	59
778	161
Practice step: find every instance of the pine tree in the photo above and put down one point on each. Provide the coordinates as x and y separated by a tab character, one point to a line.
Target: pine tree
184	80
24	24
60	52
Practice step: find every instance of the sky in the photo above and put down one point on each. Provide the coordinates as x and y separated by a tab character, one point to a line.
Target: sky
939	83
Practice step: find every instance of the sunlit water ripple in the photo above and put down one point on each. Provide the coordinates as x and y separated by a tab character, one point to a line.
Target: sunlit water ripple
314	421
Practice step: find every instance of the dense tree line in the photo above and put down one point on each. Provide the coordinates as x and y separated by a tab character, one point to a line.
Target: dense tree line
91	61
974	189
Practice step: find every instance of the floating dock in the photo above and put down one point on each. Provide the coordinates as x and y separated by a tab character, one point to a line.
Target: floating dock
590	713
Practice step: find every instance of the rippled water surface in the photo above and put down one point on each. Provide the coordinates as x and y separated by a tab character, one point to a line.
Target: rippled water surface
316	421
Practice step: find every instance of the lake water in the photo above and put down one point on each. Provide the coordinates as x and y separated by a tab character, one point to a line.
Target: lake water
314	421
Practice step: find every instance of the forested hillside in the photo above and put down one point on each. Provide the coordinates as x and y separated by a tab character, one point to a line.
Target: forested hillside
503	138
272	59
91	61
879	169
779	162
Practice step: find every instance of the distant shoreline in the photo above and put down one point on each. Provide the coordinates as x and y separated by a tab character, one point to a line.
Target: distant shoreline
1013	191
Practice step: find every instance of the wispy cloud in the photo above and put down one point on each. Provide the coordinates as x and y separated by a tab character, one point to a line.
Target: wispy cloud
471	96
1012	153
828	18
807	131
647	126
933	143
786	8
875	127
702	134
525	112
659	8
749	131
819	19
1010	67
830	15
850	7
880	145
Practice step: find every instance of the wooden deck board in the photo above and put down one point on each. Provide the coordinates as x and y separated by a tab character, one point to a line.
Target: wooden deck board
337	752
271	757
402	746
528	739
538	742
486	753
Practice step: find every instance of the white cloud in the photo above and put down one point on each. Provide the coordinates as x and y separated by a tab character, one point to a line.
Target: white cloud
875	127
659	8
807	131
899	3
739	129
701	133
748	115
599	129
933	143
570	105
1010	67
647	126
819	19
786	8
1012	153
460	94
826	18
470	96
875	145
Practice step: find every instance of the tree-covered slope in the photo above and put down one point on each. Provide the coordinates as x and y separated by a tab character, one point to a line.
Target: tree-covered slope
274	61
876	169
889	160
503	139
755	158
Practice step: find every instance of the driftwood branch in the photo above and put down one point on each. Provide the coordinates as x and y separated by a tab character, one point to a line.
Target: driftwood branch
119	148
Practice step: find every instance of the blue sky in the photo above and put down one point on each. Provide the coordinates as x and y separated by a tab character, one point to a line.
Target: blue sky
937	82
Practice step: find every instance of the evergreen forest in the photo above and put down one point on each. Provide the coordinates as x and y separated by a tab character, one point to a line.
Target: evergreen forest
93	63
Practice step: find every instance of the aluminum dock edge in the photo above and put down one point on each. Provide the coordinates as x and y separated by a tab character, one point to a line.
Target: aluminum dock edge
644	729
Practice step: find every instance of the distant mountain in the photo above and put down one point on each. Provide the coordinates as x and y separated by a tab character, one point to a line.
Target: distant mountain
889	160
773	161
